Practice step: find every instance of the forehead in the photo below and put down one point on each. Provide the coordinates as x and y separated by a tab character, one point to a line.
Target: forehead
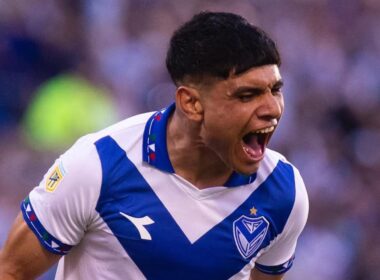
262	76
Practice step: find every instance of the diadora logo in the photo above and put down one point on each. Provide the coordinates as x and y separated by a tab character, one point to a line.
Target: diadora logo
140	224
249	234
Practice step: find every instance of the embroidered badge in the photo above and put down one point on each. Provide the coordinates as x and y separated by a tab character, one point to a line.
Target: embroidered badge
55	177
249	234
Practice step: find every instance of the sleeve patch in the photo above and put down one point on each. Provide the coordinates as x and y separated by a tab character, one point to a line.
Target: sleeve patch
46	239
54	178
277	269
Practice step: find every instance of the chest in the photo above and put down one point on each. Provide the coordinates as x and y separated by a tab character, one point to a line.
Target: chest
170	234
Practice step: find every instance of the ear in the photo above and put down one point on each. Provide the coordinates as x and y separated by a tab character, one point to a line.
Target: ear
188	101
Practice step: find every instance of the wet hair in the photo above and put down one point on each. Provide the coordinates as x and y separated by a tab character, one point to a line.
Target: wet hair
216	45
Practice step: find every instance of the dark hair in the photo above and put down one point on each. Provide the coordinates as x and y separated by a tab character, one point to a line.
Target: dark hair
214	44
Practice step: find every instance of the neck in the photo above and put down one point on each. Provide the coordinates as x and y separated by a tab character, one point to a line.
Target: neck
190	157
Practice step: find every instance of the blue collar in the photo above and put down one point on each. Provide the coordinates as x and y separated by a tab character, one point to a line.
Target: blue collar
155	150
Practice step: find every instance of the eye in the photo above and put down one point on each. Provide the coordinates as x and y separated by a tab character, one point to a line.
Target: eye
245	97
276	90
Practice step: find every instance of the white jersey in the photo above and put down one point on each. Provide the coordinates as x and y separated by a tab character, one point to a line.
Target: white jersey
114	207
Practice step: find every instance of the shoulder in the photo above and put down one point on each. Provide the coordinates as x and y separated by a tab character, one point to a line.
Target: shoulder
289	207
292	185
123	129
275	159
65	199
123	132
82	162
299	185
274	156
286	186
126	124
279	171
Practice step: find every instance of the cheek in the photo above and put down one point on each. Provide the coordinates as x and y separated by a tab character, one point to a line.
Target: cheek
218	120
224	124
221	133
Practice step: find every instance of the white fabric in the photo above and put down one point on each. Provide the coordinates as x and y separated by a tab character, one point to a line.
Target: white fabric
68	213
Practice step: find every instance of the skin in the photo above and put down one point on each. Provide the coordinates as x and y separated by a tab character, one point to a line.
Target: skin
204	133
22	256
206	130
257	275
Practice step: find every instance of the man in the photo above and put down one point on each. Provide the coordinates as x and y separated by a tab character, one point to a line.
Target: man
188	192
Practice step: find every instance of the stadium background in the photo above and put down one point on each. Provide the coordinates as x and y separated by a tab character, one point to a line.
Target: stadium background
111	54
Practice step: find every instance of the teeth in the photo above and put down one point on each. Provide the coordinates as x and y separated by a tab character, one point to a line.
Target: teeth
265	130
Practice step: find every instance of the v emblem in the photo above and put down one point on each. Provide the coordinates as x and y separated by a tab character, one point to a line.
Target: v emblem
140	224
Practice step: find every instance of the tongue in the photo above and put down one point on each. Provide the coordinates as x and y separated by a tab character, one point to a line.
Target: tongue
253	146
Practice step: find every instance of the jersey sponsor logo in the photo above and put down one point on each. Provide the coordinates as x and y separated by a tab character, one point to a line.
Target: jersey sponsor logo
249	234
140	224
54	179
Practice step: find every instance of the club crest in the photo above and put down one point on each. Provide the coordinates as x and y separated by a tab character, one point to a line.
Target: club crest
249	233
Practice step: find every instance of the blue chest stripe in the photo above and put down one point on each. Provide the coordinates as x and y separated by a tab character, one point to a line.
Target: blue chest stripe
169	254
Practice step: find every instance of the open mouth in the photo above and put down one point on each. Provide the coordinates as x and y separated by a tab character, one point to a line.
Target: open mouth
254	143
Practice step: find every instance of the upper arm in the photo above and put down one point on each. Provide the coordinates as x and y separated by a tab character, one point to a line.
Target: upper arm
258	275
55	215
279	256
61	209
22	256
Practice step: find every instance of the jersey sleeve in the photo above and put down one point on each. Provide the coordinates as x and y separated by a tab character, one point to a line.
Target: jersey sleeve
62	206
278	258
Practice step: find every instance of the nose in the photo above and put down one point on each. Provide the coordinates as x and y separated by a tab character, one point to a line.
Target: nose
271	106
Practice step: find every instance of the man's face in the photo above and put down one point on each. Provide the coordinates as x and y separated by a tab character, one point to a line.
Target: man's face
241	114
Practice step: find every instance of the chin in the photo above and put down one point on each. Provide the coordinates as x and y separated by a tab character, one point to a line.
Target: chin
247	170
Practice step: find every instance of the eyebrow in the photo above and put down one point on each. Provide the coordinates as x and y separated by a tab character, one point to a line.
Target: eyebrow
278	84
257	89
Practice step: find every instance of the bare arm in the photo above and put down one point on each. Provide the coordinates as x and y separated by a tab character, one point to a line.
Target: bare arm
258	275
22	256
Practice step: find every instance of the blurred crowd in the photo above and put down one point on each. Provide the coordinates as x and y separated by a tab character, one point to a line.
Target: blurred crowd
330	131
